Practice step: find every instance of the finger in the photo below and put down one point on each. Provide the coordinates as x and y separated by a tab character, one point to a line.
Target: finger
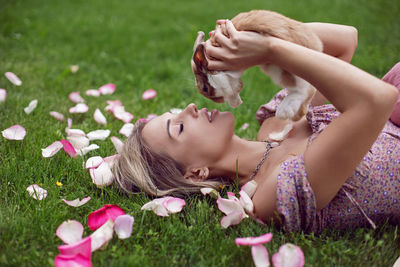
221	21
216	65
199	39
211	33
230	28
220	38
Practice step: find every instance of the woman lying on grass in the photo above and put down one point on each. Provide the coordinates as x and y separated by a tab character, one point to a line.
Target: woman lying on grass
339	167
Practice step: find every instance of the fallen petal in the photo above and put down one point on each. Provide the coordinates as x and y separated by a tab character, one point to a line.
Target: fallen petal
246	202
123	226
110	160
118	144
87	149
76	260
289	255
52	149
156	206
74	132
107	89
82	247
228	206
94	162
250	188
70	232
253	241
15	132
127	129
210	191
36	192
57	115
76	202
13	78
99	117
78	142
244	126
260	256
102	235
74	68
79	108
98	134
76	97
112	104
98	217
3	95
68	148
174	204
93	92
102	175
149	94
69	123
232	218
120	113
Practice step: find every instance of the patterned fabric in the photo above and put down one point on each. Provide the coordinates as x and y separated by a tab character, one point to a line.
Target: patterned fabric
371	195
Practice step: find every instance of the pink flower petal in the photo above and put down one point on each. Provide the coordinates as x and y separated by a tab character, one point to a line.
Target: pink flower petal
231	195
289	255
69	123
99	117
31	106
156	206
74	132
3	95
127	129
102	175
52	149
102	235
79	108
98	134
232	218
112	104
98	217
107	89
83	151
118	144
76	202
244	126
82	247
94	162
68	148
123	226
57	115
70	232
260	256
93	92
76	97
228	206
174	204
250	188
78	142
246	202
120	113
253	241
149	94
13	78
15	132
110	160
36	192
76	260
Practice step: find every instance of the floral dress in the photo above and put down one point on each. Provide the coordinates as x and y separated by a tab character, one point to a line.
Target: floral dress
369	196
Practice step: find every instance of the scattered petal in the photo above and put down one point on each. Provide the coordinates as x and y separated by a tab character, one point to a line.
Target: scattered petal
102	175
79	108
112	104
68	148
174	204
123	226
102	235
99	117
93	92
253	241
210	191
87	149
70	232
250	188
246	202
98	217
260	256
228	206
76	260
15	132
94	162
3	95
82	247
107	89
57	115
149	94
397	263
76	97
127	129
13	78
120	113
244	126
74	68
74	132
110	160
36	192
69	124
78	142
232	218
98	134
118	144
289	255
156	206
76	202
52	149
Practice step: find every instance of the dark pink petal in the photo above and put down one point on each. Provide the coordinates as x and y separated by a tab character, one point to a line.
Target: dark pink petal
3	95
252	241
15	132
93	92
76	202
82	247
228	206
250	188
57	115
127	129
36	192
68	148
118	144
98	217
174	204
52	149
107	89
149	94
70	232
260	256
232	218
72	261
123	226
94	162
79	108
99	117
98	134
76	97
13	78
102	235
289	255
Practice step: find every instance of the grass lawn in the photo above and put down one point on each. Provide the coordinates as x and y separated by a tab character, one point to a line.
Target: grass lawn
140	45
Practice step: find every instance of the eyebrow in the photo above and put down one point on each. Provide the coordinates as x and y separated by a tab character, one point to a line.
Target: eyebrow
168	123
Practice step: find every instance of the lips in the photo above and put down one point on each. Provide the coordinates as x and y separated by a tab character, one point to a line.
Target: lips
210	115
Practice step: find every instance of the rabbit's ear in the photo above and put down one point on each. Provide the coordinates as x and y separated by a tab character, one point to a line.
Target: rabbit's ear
199	58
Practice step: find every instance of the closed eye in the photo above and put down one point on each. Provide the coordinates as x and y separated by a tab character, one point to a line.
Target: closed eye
181	128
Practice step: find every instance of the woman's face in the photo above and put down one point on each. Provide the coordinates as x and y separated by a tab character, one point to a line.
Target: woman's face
193	137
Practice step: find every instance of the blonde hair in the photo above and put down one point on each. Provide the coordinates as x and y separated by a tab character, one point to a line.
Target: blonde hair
141	169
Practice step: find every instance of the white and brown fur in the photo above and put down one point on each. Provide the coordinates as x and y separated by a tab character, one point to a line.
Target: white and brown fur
221	86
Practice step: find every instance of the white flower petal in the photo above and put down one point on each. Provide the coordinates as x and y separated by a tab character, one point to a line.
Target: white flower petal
232	218
76	202
260	256
99	117
250	188
3	95
174	204
94	162
118	144
123	226
52	149
32	105
15	132
85	150
98	134
246	202
289	255
110	160
36	192
74	132
210	191
78	142
74	68
228	206
102	175
57	115
13	78
156	206
76	97
70	232
120	113
79	108
127	129
93	92
102	235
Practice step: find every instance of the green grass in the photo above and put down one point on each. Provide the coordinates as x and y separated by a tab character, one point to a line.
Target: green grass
139	45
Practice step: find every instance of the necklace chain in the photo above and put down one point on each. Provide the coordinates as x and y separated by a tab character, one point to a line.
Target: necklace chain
268	146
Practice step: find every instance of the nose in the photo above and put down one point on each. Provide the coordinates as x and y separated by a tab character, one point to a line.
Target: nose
192	110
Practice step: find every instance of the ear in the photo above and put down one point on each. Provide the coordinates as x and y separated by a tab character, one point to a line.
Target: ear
199	57
197	174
